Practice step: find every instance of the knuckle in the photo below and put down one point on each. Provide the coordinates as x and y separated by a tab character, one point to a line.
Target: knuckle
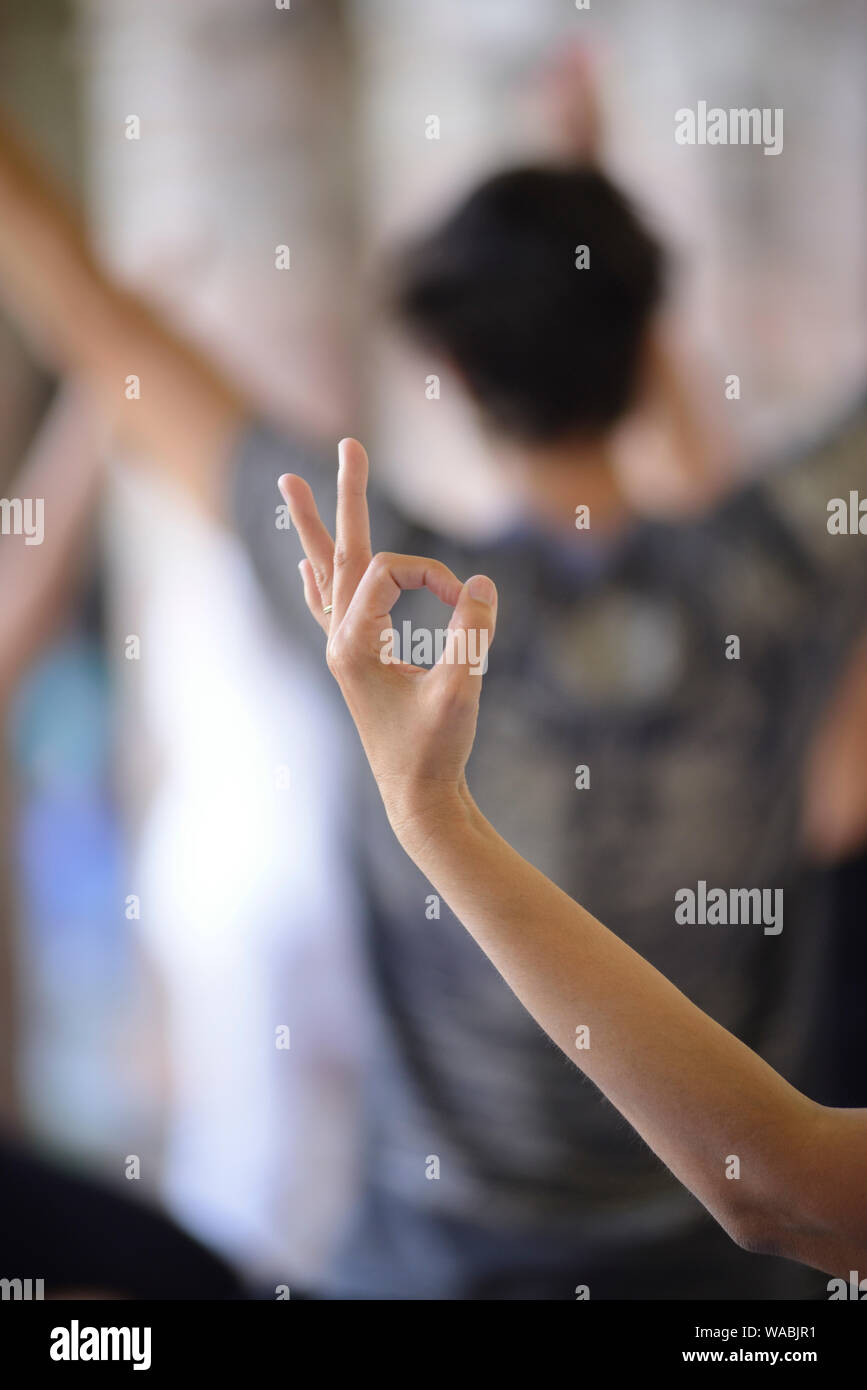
340	649
341	556
334	654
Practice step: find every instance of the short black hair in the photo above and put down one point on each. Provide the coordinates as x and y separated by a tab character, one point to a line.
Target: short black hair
545	349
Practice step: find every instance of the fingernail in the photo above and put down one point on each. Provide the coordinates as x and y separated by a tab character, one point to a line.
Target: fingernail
481	589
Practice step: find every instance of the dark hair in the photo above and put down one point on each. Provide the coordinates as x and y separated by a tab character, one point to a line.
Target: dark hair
545	349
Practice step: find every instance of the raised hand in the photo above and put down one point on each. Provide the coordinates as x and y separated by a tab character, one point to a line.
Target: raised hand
417	725
569	93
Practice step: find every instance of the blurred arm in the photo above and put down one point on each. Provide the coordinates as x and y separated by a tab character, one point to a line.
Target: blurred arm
695	436
700	445
80	321
806	494
64	470
695	1093
835	789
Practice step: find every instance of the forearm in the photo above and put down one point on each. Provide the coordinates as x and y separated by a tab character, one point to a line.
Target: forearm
79	320
49	280
697	1095
694	434
63	471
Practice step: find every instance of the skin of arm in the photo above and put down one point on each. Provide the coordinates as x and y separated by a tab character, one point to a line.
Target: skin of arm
63	469
80	322
695	1093
835	780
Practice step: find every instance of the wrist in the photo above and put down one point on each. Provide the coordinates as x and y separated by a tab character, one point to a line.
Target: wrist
431	813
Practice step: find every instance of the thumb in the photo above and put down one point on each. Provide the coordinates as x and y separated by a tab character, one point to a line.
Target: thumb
470	633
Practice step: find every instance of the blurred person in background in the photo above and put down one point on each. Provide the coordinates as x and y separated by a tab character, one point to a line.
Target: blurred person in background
161	949
81	1237
491	1171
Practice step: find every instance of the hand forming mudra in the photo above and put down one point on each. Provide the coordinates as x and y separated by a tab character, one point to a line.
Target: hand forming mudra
416	725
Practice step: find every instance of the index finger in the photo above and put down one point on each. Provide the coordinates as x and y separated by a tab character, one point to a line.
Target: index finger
352	539
387	576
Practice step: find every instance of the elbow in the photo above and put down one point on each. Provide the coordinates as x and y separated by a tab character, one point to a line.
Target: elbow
757	1232
760	1224
769	1228
780	1212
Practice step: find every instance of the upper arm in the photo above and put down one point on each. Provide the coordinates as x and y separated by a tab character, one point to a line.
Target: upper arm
835	783
804	494
806	497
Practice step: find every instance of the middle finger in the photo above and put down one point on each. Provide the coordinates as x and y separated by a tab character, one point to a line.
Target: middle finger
352	553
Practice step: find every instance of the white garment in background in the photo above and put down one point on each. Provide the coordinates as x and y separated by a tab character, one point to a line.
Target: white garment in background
247	910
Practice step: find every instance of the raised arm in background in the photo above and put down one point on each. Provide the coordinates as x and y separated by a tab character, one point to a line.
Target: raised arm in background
61	475
701	449
696	1094
698	446
80	321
